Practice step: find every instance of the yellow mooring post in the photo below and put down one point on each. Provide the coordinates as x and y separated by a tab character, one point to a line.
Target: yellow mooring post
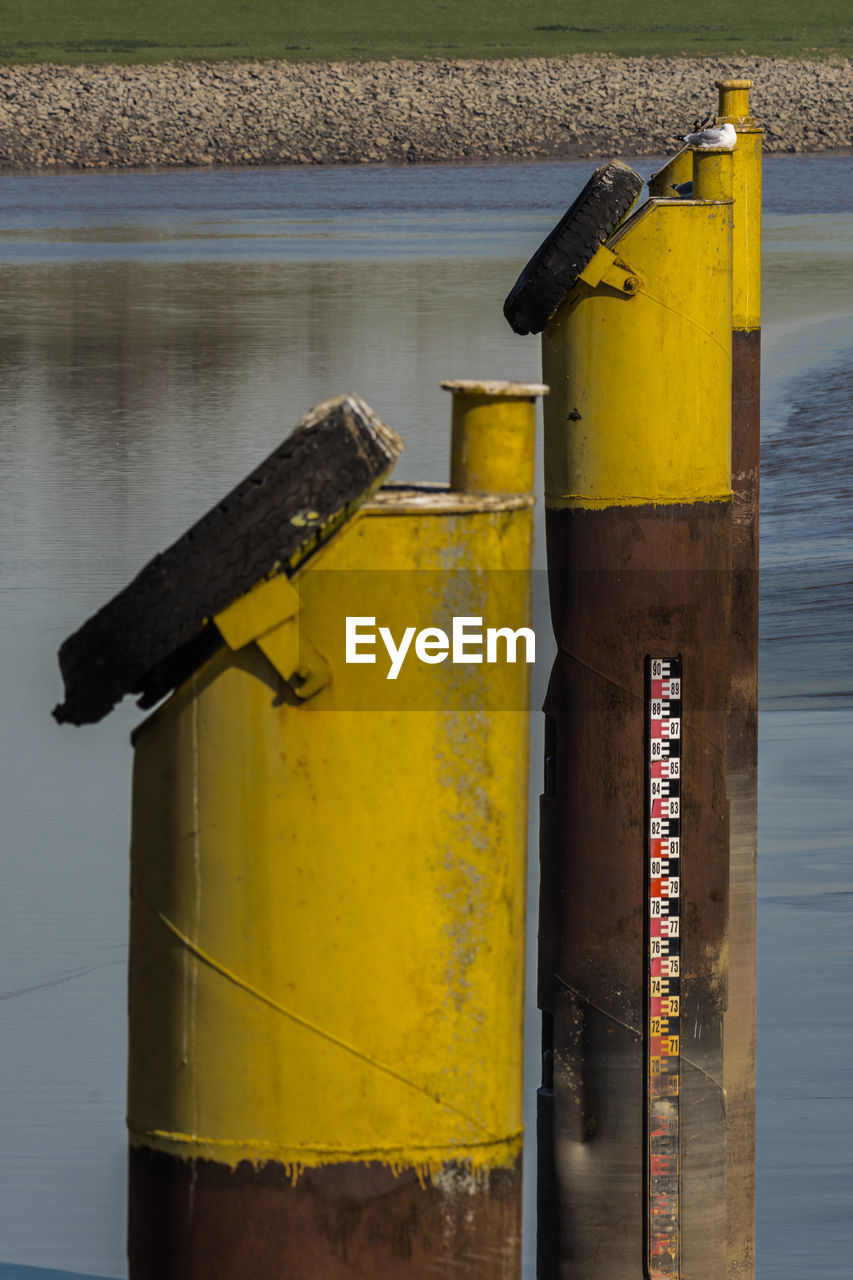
635	824
739	1024
327	917
484	413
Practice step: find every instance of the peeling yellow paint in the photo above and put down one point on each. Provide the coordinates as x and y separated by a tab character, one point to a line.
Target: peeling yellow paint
427	1161
572	500
327	912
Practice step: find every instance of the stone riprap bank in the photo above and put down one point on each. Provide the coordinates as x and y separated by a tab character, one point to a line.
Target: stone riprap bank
397	112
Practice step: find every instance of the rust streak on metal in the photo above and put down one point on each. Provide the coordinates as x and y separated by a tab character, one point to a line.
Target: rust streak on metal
627	582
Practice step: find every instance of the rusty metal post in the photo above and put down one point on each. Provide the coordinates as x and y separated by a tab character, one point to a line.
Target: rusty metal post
328	859
739	1026
638	518
328	908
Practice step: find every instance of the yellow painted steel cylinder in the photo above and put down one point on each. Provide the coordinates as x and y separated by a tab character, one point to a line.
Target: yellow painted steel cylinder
746	193
642	436
712	174
740	1019
678	169
746	190
493	427
327	922
638	518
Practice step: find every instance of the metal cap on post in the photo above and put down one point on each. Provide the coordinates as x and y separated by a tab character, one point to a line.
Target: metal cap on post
734	101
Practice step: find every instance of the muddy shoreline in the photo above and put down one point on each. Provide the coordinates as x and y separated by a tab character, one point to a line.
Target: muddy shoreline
270	113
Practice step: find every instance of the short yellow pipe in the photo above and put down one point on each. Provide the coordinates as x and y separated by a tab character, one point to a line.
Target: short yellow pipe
712	174
676	170
493	435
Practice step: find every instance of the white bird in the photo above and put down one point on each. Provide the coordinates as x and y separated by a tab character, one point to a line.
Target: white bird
721	135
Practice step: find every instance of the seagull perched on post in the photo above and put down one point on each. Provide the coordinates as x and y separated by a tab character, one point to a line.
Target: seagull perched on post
721	135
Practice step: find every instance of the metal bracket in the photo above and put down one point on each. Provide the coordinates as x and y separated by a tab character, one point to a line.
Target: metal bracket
604	267
269	616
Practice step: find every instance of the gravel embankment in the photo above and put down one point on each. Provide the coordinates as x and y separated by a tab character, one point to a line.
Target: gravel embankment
344	113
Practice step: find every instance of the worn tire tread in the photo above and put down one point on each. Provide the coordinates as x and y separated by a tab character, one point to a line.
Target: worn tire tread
555	266
157	630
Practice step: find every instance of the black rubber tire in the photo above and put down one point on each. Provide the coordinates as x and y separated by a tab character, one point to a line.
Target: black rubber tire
555	266
156	632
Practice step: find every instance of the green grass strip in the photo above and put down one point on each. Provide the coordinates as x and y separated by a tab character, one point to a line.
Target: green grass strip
142	31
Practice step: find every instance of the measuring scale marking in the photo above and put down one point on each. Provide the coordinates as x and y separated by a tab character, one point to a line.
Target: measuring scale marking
663	992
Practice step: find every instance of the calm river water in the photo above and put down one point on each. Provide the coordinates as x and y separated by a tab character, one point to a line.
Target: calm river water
159	334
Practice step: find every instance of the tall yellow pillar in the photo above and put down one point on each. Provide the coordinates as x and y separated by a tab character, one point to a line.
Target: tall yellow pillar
638	499
328	916
740	1020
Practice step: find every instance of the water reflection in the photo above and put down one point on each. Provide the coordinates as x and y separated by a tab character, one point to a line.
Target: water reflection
159	334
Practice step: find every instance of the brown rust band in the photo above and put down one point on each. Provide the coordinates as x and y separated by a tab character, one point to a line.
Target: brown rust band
626	582
200	1220
746	445
739	1068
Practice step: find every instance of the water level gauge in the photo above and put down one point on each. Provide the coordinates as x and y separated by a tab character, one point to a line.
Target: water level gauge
663	965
